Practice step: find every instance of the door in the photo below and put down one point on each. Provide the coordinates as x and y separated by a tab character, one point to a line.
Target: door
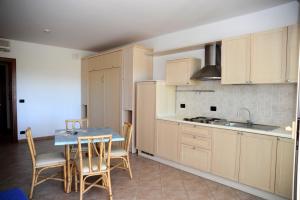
284	167
226	153
3	99
268	56
145	116
236	60
112	98
257	161
96	99
167	139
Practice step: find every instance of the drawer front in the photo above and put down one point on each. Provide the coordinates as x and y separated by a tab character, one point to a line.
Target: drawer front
196	130
195	157
195	140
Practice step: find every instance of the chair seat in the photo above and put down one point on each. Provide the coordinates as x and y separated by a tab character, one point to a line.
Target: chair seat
50	159
118	152
95	161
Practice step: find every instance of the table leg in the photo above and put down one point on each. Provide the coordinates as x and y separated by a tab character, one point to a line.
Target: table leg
69	173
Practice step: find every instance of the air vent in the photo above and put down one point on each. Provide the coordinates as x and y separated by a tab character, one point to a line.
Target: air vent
4	46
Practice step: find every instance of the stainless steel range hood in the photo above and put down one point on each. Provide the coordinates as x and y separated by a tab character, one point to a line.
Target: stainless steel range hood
212	67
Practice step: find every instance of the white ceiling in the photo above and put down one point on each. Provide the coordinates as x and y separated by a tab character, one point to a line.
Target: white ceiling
100	24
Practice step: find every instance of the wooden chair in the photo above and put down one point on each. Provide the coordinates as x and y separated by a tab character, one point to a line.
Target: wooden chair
97	163
42	162
122	152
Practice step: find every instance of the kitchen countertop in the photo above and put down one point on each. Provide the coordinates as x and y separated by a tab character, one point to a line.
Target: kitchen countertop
279	132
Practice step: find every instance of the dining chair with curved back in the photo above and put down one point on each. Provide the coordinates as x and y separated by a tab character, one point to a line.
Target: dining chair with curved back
122	152
96	163
41	162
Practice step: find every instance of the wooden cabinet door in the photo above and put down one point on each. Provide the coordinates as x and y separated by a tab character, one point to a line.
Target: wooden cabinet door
96	99
257	161
145	117
128	85
268	56
284	168
179	72
236	60
195	157
112	107
292	54
226	153
167	139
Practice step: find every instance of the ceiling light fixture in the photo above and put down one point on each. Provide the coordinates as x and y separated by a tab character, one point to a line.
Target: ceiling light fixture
46	30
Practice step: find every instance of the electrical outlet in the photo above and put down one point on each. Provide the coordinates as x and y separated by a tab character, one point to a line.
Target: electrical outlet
182	105
213	108
22	132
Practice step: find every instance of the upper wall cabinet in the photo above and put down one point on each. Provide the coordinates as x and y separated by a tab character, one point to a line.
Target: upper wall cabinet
138	64
268	56
105	61
236	60
261	58
292	54
179	72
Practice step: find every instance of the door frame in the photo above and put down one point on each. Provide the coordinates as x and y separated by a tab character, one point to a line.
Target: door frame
13	96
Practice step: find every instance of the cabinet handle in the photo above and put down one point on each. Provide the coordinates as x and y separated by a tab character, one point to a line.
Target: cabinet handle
194	137
194	147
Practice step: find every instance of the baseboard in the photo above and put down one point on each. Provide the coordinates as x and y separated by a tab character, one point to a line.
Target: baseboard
51	137
235	185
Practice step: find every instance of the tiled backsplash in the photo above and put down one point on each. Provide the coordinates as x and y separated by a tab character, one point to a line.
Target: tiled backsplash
269	104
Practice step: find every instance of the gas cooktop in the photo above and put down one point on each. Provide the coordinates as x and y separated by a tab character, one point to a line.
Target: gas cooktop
205	120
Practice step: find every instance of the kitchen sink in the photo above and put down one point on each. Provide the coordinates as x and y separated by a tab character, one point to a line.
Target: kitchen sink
251	126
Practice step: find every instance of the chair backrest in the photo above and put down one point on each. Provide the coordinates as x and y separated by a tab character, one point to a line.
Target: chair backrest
127	132
99	148
76	123
31	145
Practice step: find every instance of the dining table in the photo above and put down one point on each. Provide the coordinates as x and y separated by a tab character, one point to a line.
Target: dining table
68	138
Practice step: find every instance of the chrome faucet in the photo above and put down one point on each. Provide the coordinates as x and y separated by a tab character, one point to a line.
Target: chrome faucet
249	121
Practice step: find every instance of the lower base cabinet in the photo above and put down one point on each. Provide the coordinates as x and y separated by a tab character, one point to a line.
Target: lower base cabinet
258	161
284	168
195	157
226	153
167	139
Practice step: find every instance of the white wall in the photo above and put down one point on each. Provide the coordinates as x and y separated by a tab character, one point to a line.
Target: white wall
283	15
48	78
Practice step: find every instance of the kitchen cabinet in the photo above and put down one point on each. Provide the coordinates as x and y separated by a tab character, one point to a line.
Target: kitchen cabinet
179	72
138	64
284	167
104	98
268	56
292	54
236	60
195	157
226	153
96	98
153	98
195	147
145	116
167	139
257	161
261	58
